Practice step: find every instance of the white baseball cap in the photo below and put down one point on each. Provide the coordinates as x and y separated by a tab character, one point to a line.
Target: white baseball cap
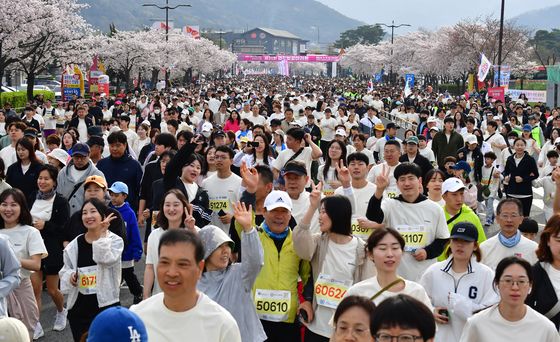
206	127
60	155
432	119
471	139
497	117
278	199
452	184
340	131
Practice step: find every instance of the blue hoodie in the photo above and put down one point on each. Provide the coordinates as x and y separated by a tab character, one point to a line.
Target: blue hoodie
134	249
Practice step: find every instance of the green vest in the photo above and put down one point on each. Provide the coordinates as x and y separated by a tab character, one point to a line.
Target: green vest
536	135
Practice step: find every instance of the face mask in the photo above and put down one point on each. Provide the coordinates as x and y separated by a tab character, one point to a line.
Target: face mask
206	134
157	111
511	141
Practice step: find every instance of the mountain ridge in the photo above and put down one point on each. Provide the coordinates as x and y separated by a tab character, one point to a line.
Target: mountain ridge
300	17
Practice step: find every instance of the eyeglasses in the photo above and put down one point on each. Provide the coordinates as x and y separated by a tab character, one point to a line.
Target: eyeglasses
342	330
400	338
510	217
510	282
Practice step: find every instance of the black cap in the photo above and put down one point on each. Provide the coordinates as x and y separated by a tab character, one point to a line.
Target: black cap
391	125
294	167
30	132
529	226
219	133
464	231
125	118
94	130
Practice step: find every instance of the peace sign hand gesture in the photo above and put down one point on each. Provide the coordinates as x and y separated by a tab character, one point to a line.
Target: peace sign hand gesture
189	219
250	178
106	223
382	181
343	174
315	196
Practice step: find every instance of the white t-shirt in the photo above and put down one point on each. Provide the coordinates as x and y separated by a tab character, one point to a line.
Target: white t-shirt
152	255
42	209
498	139
222	192
428	153
368	153
26	241
206	322
284	156
554	276
327	128
339	264
493	251
369	287
82	130
8	155
420	224
490	325
257	120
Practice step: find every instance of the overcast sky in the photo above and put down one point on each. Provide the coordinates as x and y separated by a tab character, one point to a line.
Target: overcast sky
430	13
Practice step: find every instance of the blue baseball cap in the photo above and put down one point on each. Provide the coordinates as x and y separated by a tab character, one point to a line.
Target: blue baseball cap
462	165
81	149
117	324
119	188
527	127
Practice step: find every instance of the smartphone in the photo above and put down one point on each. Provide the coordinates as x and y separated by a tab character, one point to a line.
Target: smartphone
303	315
253	143
444	312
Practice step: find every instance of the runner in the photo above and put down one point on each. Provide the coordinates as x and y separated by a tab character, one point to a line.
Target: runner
353	317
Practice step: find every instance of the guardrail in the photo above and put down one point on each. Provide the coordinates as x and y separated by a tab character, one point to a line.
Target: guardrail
402	123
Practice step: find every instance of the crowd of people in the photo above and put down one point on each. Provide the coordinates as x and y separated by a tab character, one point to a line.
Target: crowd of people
272	208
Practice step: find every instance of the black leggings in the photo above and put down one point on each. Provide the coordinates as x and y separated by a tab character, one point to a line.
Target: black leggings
527	203
281	332
132	281
80	322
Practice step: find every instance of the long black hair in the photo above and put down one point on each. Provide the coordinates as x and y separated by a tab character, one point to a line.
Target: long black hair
328	160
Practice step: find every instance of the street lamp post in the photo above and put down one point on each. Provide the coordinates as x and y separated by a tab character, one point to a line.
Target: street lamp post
166	8
501	36
392	27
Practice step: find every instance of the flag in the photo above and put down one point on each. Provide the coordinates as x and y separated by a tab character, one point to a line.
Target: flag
160	25
407	90
193	31
369	86
483	68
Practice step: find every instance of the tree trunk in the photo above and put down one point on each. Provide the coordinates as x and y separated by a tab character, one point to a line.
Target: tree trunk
127	80
155	76
30	83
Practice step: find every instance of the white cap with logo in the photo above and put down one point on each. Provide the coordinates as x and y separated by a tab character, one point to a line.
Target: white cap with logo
278	199
452	184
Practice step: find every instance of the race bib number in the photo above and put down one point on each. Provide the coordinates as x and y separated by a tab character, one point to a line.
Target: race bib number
414	237
327	190
329	291
154	218
219	204
391	194
87	280
273	305
357	231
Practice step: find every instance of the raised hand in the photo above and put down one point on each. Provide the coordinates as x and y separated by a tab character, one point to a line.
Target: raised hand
189	219
315	196
343	174
243	215
106	223
250	178
382	181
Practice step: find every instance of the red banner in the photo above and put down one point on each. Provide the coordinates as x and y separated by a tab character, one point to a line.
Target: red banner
289	58
496	93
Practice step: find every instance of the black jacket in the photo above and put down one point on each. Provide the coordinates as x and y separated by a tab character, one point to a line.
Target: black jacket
74	226
27	182
75	121
542	296
527	169
53	232
419	160
477	157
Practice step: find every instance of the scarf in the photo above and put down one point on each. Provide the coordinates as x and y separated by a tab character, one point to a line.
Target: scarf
275	236
510	242
46	195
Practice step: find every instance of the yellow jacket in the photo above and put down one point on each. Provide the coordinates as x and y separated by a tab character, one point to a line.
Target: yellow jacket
281	271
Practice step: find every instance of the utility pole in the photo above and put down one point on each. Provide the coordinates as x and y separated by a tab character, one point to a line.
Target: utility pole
392	27
501	36
166	8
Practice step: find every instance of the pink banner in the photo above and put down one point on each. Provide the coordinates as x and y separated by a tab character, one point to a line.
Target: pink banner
496	93
289	58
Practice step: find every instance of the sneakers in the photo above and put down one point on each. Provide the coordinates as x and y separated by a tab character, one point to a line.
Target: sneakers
137	299
60	320
38	333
